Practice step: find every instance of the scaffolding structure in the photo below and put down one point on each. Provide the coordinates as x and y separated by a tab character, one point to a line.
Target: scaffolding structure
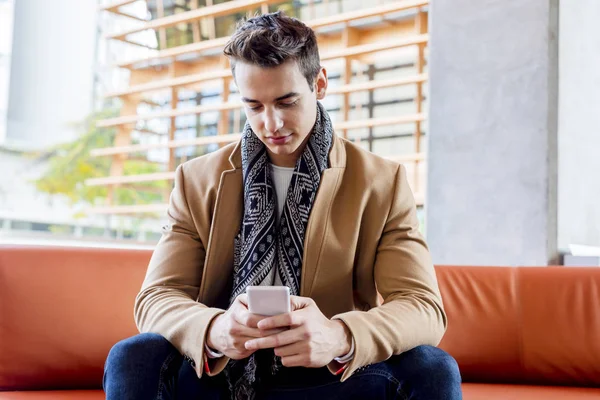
181	101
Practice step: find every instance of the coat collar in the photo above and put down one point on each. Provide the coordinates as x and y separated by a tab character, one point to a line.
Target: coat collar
229	204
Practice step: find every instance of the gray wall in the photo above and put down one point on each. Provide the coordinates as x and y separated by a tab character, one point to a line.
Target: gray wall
491	196
51	71
579	124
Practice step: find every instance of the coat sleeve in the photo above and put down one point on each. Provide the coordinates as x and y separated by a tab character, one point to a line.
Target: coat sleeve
167	302
412	313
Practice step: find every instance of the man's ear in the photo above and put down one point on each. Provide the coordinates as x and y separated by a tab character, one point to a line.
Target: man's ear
321	84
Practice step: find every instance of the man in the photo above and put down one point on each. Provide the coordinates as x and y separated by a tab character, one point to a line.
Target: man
290	204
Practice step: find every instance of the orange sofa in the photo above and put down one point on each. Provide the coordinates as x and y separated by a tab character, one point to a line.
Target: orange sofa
517	333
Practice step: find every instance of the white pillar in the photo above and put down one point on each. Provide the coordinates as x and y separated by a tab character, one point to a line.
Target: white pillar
579	124
492	195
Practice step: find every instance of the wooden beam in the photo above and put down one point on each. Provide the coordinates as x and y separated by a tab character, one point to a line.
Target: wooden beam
142	130
179	50
354	51
166	176
129	16
237	120
117	180
162	33
351	88
420	28
162	208
419	199
217	10
196	37
212	29
318	23
372	85
147	188
145	160
311	8
405	158
199	141
130	119
133	209
223	123
358	106
372	122
366	13
169	83
364	123
150	102
139	44
122	138
116	5
349	39
173	127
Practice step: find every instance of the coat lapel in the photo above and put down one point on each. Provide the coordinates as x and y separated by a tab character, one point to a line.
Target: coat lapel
318	222
227	216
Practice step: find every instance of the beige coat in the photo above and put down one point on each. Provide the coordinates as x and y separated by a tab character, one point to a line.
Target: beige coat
362	239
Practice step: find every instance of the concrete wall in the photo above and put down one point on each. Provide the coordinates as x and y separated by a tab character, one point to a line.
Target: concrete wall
579	123
491	196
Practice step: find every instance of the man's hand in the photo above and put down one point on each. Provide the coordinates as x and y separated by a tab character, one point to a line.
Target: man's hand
229	332
312	341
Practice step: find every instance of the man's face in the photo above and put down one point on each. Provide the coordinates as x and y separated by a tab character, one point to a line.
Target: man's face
280	106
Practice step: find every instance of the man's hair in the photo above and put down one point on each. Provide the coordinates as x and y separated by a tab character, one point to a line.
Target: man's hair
272	39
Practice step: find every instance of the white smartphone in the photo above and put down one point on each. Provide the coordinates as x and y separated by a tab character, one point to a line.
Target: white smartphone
268	300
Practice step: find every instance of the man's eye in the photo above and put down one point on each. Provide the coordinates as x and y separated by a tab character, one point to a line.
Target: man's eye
255	108
289	104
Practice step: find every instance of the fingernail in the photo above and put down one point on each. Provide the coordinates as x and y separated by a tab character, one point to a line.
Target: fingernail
248	345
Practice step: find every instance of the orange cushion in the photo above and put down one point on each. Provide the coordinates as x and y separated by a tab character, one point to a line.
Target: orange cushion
484	391
560	314
61	310
528	325
483	327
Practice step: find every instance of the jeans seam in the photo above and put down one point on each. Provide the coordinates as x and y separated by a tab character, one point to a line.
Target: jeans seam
389	377
380	373
401	393
161	380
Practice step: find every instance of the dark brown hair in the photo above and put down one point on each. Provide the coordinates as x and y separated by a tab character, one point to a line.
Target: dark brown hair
272	39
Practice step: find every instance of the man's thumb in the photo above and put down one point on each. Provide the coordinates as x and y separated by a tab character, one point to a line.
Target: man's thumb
299	302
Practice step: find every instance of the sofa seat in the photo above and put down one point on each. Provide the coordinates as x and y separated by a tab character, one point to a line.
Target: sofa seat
54	395
505	324
486	391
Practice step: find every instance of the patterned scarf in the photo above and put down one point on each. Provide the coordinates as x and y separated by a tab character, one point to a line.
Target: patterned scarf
264	249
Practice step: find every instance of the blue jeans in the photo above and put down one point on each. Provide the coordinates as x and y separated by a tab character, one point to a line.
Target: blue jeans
147	366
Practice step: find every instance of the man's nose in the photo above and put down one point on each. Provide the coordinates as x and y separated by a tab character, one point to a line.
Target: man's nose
272	122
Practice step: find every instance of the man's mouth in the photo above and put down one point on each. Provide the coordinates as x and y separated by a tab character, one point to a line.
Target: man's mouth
279	140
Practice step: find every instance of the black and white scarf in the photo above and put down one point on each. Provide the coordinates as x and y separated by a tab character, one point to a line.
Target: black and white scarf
264	248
